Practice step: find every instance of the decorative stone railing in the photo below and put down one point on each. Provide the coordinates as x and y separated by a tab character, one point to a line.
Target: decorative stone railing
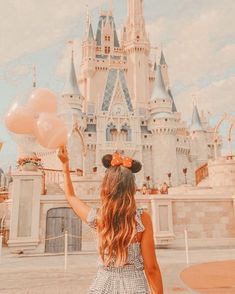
52	176
201	173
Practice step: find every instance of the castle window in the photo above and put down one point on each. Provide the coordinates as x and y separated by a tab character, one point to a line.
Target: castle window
145	136
107	38
107	50
142	122
177	139
89	135
166	119
164	100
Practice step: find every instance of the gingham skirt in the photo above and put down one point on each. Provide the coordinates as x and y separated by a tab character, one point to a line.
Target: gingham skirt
125	280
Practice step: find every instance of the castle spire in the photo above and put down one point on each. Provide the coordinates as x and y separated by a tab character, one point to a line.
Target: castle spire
89	30
159	90
162	59
71	85
135	12
136	23
90	34
196	124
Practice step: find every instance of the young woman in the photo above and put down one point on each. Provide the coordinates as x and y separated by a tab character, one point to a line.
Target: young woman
127	262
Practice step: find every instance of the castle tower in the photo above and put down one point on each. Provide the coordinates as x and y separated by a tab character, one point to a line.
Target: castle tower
74	99
137	48
198	137
88	59
163	126
166	80
106	36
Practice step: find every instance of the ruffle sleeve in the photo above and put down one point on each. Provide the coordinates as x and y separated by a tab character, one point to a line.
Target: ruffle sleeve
140	226
91	218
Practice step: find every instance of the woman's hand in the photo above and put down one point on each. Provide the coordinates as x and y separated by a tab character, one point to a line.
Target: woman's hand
63	155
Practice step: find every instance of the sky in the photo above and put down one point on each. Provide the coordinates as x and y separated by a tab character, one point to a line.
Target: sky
197	36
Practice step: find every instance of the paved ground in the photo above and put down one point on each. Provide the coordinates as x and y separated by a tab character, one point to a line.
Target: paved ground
45	274
213	277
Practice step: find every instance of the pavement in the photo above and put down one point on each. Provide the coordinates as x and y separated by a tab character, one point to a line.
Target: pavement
213	277
45	274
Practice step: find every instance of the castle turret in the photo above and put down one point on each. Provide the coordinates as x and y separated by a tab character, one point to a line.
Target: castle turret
163	127
74	99
137	48
198	137
160	99
88	59
166	80
164	69
71	93
106	36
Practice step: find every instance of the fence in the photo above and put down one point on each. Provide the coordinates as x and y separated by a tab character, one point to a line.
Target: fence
66	236
201	173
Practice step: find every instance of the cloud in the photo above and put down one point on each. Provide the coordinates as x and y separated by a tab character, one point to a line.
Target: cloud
216	98
32	25
200	51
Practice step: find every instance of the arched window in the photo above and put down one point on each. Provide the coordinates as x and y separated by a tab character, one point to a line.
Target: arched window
126	132
111	132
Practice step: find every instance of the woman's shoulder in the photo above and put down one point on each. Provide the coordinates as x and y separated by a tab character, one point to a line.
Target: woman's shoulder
146	218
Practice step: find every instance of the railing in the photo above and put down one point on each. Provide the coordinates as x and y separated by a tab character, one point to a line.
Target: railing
201	173
53	176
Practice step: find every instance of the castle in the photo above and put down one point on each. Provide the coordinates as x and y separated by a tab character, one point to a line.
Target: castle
122	100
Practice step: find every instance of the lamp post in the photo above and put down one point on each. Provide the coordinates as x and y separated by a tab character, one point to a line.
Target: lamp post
169	177
148	180
185	175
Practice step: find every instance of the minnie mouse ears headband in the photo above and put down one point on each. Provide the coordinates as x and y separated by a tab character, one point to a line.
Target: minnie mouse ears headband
116	159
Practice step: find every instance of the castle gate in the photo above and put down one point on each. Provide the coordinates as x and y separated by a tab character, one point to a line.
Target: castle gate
60	220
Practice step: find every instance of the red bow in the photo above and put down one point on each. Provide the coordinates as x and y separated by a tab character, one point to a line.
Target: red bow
119	160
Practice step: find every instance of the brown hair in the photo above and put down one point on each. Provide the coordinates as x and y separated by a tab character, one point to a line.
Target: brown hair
116	225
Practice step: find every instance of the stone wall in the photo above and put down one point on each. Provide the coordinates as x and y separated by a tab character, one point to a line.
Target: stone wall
209	219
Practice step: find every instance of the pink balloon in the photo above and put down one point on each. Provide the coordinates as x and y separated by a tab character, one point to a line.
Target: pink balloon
51	131
20	120
43	100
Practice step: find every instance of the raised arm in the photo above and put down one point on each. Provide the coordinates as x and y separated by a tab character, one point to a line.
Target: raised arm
151	267
79	206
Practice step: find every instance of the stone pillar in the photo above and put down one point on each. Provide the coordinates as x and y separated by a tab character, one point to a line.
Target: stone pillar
25	212
162	221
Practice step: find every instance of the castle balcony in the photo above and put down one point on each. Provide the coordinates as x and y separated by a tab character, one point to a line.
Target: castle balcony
105	63
114	145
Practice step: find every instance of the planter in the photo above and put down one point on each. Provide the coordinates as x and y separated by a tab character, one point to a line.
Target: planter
29	166
153	191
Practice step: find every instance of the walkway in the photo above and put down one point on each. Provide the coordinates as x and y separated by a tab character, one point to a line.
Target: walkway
45	274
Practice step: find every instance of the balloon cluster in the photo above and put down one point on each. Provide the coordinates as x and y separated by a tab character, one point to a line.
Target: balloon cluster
39	118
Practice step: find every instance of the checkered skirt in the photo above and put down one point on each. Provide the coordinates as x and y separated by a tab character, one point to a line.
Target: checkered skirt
128	279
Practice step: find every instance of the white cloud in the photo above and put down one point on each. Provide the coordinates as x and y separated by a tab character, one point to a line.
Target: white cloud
216	98
200	50
30	25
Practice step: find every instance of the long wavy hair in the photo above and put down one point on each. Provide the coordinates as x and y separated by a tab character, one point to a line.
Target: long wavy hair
116	225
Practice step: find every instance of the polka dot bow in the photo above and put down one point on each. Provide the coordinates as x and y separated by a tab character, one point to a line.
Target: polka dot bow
119	160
